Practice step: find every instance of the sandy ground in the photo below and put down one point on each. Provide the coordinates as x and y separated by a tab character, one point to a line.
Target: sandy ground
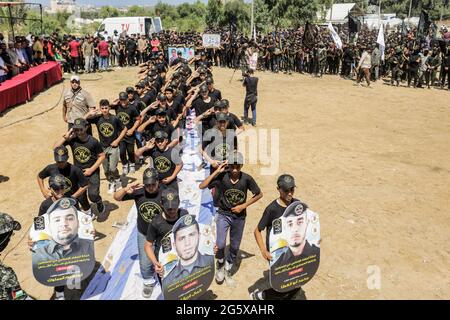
372	162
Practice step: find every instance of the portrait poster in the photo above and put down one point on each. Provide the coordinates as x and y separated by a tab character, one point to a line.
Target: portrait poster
187	256
186	52
294	243
63	249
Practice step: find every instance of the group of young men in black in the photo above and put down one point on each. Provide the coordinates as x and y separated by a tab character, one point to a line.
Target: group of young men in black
148	123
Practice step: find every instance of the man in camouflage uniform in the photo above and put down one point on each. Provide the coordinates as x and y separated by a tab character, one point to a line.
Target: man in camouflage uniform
9	284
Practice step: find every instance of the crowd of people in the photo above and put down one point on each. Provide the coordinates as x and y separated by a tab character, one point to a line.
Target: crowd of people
143	129
146	124
421	61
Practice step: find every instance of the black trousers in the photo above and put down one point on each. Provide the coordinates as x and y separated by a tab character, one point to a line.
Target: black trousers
93	191
127	148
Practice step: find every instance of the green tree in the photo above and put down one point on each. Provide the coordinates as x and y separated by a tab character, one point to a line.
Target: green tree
136	11
239	11
262	16
214	13
107	12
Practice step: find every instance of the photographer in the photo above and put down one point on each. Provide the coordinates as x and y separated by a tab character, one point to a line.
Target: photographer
251	96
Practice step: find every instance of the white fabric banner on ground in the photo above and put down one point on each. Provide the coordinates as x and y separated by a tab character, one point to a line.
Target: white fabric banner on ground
119	277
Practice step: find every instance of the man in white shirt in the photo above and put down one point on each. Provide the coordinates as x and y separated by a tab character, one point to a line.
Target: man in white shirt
364	65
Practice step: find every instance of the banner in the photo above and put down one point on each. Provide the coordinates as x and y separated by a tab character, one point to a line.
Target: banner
253	61
380	41
63	250
211	40
294	243
337	40
187	53
187	255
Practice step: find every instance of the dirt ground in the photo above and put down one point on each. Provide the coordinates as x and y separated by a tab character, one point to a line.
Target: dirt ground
372	162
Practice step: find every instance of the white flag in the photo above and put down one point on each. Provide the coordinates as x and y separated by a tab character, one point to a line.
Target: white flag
337	40
380	41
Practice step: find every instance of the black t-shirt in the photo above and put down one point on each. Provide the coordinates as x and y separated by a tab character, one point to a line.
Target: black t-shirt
138	104
216	94
251	86
149	97
179	99
108	129
164	161
272	212
176	107
148	206
128	116
85	153
44	206
233	123
73	175
217	146
160	227
201	107
230	195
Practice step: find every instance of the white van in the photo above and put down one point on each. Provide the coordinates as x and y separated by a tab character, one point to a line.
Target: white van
129	25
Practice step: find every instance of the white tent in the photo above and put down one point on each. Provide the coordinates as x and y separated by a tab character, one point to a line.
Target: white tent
340	11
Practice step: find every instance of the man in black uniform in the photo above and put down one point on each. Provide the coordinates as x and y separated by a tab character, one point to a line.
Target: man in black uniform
167	161
213	92
251	96
231	187
75	182
57	185
110	131
147	198
131	119
131	47
88	154
286	188
219	142
202	105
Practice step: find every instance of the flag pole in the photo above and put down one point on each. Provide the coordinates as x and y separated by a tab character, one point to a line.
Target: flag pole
410	8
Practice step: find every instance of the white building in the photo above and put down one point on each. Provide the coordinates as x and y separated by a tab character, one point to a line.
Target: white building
62	5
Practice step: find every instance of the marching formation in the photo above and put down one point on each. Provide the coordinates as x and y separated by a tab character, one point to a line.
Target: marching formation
145	129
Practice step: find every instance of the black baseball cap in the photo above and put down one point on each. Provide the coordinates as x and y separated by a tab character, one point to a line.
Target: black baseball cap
170	199
203	88
129	89
123	96
209	80
57	181
286	182
150	176
170	89
79	123
224	103
184	222
160	111
161	135
162	97
61	154
140	85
